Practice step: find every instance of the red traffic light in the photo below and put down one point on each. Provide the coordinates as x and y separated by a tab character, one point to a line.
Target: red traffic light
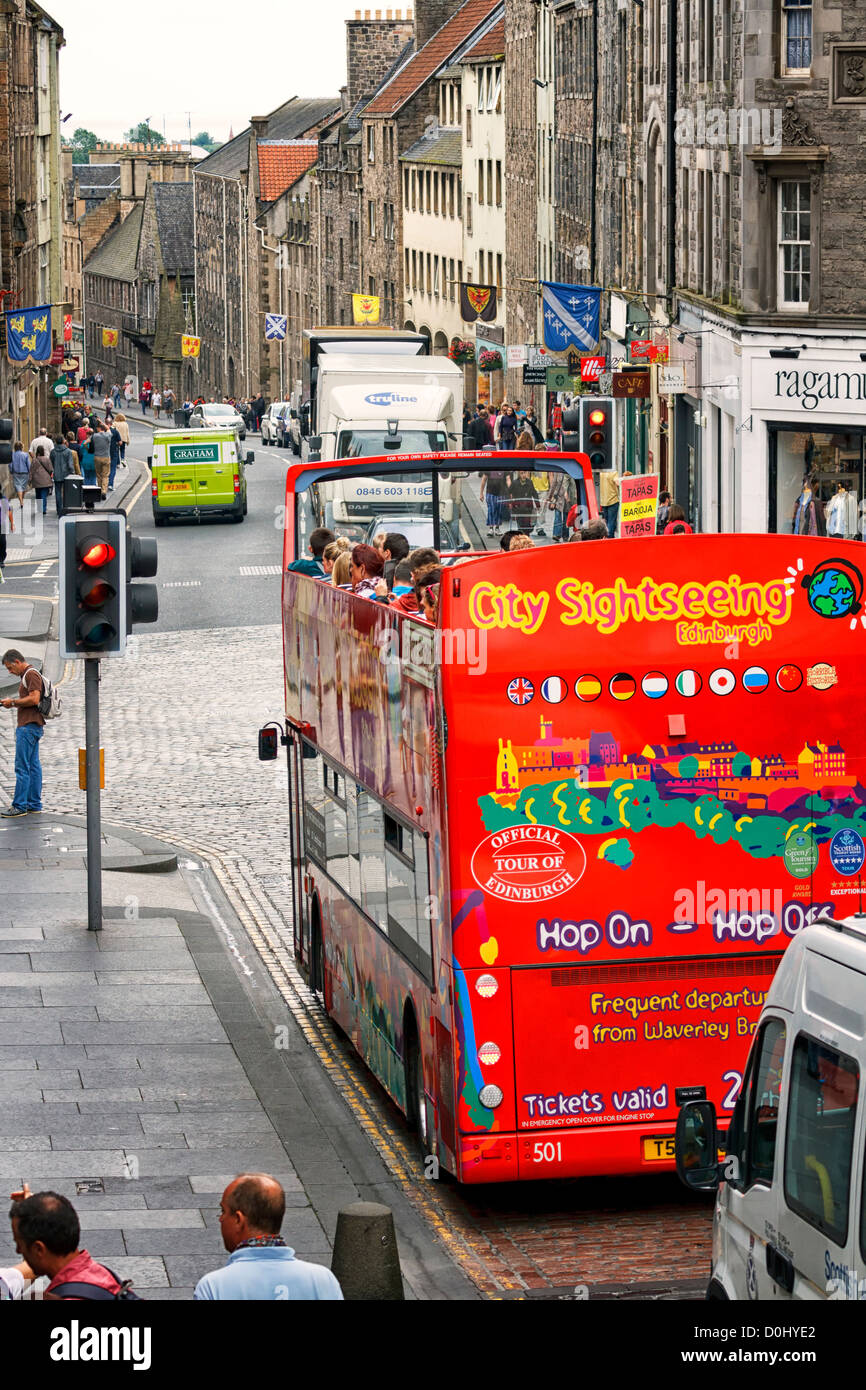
95	552
597	417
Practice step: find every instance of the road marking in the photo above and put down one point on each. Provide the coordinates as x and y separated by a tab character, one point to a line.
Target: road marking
18	556
41	570
182	584
255	571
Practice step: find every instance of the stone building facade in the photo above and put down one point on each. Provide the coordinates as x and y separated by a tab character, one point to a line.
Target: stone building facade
111	301
31	233
165	266
521	181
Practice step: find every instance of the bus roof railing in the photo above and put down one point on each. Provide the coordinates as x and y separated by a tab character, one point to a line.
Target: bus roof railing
304	475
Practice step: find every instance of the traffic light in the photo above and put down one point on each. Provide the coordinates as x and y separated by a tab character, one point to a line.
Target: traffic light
571	439
5	441
596	431
142	600
93	595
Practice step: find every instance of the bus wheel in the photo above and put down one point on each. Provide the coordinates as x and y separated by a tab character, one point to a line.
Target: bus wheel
416	1105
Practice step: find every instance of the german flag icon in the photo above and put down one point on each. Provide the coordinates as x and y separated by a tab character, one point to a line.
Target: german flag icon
622	686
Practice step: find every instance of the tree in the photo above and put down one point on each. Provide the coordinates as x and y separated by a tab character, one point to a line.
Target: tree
204	138
143	134
82	142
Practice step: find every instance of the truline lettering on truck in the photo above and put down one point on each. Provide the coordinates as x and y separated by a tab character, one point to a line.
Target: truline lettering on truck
389	398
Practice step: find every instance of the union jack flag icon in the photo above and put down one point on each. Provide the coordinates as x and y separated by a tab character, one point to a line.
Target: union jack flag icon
520	691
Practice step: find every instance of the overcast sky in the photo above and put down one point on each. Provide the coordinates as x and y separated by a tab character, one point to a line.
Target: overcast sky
223	62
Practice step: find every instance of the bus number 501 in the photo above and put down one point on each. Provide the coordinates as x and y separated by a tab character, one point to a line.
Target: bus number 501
546	1153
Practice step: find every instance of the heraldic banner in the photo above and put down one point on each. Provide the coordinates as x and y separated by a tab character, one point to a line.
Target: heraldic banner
109	337
28	336
189	346
365	308
477	302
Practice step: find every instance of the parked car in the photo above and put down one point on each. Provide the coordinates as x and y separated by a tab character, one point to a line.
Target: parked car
270	428
288	435
418	531
217	415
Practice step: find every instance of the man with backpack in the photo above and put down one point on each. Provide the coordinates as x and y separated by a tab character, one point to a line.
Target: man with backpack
46	1231
31	722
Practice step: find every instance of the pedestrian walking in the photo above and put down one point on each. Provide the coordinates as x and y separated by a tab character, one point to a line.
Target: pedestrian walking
493	490
168	401
127	393
608	483
522	501
113	454
101	442
156	403
19	471
43	438
7	526
116	395
108	407
261	1266
560	499
46	1231
28	769
505	433
99	382
64	463
42	475
88	461
122	427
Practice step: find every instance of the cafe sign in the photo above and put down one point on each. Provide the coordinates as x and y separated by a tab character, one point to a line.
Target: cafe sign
802	388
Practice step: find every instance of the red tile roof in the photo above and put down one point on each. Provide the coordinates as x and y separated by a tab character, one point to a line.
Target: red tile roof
492	45
435	52
281	163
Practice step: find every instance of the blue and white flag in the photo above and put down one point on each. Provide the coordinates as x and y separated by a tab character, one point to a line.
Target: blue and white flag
572	316
28	336
275	325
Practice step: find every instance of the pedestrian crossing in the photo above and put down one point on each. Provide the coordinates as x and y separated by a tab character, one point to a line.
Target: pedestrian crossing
258	571
182	584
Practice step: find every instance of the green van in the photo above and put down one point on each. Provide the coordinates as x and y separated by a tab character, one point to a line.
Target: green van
198	472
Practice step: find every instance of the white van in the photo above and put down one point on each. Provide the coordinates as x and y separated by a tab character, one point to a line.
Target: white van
790	1217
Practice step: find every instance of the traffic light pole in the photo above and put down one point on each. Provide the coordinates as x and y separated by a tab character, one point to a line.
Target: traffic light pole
94	829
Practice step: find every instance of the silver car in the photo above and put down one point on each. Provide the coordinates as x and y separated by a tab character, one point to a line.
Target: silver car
270	422
217	415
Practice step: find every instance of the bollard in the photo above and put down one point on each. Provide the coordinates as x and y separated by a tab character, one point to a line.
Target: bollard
365	1260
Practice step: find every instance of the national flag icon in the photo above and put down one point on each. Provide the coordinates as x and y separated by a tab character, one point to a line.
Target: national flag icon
789	678
622	686
654	685
587	688
554	690
520	691
688	683
755	679
722	681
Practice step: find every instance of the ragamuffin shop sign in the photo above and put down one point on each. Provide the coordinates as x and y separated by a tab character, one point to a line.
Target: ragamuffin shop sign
801	388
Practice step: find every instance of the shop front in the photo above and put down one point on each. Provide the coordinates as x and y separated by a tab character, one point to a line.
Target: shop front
803	443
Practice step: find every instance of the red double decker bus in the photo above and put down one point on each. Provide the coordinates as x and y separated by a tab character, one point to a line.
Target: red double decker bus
547	854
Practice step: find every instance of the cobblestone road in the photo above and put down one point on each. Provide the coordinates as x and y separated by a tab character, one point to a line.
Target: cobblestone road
179	719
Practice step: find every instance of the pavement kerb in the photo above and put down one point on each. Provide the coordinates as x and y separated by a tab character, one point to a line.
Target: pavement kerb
377	1168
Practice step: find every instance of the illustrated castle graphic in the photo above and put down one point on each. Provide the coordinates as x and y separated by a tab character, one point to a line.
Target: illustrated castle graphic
754	781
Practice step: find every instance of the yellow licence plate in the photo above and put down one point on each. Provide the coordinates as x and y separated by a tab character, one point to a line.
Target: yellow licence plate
177	487
661	1148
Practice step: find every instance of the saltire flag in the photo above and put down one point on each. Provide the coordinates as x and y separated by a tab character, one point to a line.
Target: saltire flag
654	685
477	302
190	346
28	336
572	316
520	691
365	308
587	688
109	337
275	326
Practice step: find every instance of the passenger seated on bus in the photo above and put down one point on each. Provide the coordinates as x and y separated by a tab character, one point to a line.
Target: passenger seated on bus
427	594
366	569
331	553
507	540
402	580
341	574
521	542
395	548
421	561
313	566
595	530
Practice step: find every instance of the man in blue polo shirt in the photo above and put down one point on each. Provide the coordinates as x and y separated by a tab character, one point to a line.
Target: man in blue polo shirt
261	1265
313	566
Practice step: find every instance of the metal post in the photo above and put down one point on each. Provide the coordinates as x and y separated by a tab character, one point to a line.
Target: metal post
94	833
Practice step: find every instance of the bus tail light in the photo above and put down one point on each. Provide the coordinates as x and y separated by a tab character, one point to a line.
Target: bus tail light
490	1097
487	985
489	1053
